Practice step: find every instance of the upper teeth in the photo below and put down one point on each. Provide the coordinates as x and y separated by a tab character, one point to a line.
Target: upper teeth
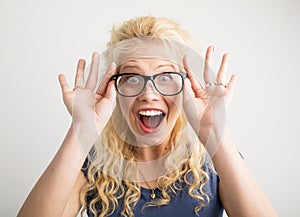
150	112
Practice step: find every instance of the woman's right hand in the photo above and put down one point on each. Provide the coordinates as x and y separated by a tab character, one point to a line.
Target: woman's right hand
90	109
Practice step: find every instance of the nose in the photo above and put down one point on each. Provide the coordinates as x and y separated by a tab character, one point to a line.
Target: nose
149	93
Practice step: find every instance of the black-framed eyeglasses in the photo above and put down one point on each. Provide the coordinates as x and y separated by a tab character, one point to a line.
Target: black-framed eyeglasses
133	84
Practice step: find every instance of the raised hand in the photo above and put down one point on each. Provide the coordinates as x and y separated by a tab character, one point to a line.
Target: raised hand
206	107
89	107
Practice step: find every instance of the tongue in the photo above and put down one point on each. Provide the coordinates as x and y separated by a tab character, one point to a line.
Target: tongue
151	121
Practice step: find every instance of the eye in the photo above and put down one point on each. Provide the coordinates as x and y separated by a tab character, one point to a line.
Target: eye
129	79
164	78
132	79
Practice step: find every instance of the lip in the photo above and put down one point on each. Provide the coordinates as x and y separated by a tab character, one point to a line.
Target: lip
141	125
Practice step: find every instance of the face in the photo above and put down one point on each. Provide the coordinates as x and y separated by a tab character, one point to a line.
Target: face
150	115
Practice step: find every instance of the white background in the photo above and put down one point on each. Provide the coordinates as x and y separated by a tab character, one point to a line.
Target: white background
40	39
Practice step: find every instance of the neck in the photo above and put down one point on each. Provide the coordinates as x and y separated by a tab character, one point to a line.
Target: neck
151	153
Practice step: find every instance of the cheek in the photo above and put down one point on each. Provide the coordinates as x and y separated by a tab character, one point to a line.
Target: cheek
126	105
175	102
175	105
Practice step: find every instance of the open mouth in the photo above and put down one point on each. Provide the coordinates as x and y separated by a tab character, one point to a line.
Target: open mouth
150	120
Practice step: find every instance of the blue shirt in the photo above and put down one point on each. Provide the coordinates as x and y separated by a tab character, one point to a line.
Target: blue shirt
181	204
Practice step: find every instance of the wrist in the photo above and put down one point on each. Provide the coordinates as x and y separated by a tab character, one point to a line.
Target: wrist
86	134
212	138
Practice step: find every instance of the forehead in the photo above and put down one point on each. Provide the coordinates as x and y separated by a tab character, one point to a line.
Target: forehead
146	64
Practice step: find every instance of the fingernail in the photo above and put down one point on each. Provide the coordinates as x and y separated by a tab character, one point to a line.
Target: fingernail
95	54
213	48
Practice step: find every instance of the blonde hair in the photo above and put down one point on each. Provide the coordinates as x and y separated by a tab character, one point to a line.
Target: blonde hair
107	190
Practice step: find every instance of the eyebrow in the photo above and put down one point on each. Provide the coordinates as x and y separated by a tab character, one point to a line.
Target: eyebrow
137	67
170	65
130	66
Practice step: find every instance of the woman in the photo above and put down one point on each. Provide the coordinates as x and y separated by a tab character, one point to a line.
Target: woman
145	136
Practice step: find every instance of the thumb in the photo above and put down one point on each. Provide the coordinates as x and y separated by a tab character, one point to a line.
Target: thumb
111	91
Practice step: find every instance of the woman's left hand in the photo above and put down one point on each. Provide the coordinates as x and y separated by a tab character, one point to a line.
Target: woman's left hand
205	107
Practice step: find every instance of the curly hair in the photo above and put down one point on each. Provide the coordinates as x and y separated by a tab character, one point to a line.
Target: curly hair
106	190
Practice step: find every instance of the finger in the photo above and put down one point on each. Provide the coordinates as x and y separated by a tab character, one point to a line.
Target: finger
232	82
208	73
103	85
79	78
111	91
185	64
93	75
188	92
194	82
193	91
223	69
63	83
187	86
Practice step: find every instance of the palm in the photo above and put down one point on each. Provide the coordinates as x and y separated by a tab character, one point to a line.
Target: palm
206	107
89	107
